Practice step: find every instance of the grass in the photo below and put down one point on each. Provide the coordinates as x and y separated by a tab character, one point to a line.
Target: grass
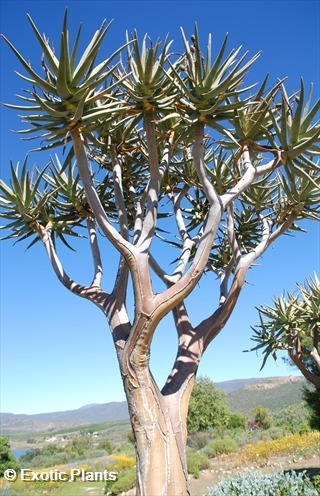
81	488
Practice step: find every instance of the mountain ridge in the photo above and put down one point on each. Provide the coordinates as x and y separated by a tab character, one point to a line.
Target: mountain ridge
241	395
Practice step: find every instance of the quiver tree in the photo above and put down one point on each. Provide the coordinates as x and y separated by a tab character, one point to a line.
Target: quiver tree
292	324
167	147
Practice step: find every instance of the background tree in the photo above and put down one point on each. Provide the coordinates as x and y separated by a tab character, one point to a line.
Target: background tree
293	324
163	147
311	395
7	459
208	407
262	417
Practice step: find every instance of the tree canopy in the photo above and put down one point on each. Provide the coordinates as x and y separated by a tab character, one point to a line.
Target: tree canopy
208	407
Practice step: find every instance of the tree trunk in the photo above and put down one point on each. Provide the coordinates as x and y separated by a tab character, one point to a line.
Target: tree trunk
159	426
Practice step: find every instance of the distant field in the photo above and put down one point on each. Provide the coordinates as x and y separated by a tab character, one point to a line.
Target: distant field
116	432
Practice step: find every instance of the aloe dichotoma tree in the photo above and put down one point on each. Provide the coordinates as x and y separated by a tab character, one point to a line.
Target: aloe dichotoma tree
292	324
161	142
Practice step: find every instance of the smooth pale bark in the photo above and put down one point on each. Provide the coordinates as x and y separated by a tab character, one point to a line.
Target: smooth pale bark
159	426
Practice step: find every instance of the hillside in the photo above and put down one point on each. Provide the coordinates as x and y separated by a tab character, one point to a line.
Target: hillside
86	415
273	393
242	394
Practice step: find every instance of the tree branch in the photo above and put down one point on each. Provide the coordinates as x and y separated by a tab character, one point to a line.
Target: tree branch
112	234
278	160
243	183
118	193
124	247
97	263
153	188
236	253
293	353
94	294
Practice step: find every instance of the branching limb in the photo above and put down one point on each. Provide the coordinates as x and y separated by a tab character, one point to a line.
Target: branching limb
124	247
156	175
97	263
244	182
178	214
198	155
180	290
118	193
278	160
94	294
236	253
166	278
315	341
265	241
102	219
268	236
188	243
299	362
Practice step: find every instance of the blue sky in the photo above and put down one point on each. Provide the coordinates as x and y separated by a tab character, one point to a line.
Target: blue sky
56	350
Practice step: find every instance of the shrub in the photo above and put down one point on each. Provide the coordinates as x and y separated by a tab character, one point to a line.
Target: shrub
79	446
196	462
316	481
236	421
292	418
105	445
220	447
295	444
257	484
199	440
130	437
262	417
275	433
126	480
122	462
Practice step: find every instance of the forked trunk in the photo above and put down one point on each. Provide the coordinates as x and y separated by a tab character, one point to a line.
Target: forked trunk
159	425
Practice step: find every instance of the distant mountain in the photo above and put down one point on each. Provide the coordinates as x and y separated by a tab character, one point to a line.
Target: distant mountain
242	394
235	384
274	393
86	415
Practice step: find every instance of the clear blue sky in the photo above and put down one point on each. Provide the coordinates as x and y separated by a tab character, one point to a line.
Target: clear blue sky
56	350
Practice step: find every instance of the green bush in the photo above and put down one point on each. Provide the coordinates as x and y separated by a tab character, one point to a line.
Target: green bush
105	445
126	480
199	440
262	416
130	437
220	447
197	462
257	484
292	418
236	421
316	481
7	459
